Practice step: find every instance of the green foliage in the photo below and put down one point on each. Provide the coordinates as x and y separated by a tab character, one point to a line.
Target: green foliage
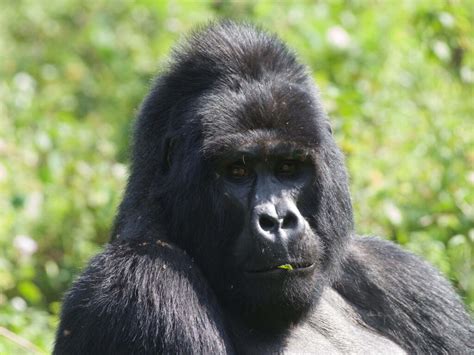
396	79
285	267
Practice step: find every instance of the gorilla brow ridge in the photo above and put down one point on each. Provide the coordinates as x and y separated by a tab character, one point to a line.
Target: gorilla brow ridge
253	143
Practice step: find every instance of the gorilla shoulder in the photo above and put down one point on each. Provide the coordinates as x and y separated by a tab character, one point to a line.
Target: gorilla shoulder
130	299
405	298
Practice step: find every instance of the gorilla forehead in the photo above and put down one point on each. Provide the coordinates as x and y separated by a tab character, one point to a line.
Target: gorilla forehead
260	113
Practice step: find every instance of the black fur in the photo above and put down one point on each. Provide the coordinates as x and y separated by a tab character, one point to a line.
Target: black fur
169	282
405	299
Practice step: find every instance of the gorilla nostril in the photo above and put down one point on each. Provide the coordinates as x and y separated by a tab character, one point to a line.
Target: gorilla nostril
267	223
289	222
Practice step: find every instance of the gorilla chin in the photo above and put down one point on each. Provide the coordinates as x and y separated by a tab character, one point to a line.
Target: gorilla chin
274	300
271	293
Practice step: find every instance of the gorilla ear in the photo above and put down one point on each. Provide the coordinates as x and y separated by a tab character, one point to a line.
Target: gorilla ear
329	127
168	153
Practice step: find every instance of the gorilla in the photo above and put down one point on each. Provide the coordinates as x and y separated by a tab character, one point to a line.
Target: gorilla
236	231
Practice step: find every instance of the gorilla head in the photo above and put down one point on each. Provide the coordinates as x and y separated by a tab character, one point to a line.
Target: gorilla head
234	152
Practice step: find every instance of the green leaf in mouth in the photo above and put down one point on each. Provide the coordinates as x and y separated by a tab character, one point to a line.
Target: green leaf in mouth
285	267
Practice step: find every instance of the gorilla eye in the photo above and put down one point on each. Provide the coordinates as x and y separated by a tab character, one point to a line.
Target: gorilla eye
287	168
237	171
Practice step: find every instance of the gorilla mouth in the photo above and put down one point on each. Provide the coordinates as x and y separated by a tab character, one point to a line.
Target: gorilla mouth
284	268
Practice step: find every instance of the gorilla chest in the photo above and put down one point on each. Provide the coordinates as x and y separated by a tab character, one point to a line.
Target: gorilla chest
334	328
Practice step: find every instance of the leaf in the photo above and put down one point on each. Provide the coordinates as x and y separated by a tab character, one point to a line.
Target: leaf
285	267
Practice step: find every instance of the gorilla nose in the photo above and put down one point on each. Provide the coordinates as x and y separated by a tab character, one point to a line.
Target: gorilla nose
268	223
271	221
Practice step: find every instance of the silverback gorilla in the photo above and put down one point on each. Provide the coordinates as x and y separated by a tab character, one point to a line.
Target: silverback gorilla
236	232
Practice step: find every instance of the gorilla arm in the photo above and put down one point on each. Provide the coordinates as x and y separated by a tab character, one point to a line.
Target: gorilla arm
142	297
404	298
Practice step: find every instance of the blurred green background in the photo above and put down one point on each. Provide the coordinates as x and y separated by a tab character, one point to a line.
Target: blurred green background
396	77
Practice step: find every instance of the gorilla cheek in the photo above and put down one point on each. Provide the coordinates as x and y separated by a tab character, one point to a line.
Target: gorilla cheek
215	254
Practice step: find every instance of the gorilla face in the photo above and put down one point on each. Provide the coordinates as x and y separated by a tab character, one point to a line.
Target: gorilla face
276	255
266	187
260	190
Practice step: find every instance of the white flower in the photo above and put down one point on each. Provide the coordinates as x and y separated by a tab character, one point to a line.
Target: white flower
393	213
25	245
24	82
34	204
470	177
446	19
467	75
3	173
442	50
119	171
338	37
18	303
